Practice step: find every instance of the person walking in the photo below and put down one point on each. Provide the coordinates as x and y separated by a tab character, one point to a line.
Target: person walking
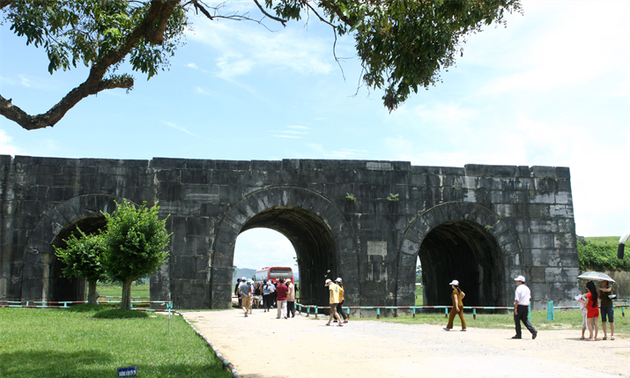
290	299
457	298
252	288
339	282
592	310
245	291
237	292
281	300
606	308
522	296
266	295
335	293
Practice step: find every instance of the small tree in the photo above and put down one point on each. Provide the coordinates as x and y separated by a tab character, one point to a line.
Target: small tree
136	240
83	258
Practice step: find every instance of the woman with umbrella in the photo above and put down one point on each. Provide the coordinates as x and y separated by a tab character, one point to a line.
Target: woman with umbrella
592	314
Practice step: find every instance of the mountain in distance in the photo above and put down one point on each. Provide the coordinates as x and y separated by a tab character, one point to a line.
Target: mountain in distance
249	273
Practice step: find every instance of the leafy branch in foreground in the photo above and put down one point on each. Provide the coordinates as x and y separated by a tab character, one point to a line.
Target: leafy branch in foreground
402	44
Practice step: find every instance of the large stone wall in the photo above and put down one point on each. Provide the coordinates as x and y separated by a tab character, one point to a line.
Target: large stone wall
480	224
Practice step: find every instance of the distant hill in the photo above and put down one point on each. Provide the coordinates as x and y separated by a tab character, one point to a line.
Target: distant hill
249	273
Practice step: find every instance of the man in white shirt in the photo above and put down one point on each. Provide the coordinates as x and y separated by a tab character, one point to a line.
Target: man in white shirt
522	295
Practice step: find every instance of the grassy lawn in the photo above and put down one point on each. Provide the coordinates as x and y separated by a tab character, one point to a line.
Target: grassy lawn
66	343
113	290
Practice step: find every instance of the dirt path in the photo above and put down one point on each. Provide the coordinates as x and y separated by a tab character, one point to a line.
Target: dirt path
263	346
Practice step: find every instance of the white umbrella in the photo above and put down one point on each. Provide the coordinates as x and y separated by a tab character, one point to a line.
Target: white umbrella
595	276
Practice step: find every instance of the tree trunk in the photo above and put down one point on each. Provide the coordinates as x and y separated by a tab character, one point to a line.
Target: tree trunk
125	304
92	292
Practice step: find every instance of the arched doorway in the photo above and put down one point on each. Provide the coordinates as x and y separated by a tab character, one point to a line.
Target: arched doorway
40	271
313	244
60	287
464	251
463	241
319	233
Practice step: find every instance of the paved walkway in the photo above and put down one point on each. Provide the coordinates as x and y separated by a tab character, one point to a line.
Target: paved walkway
261	346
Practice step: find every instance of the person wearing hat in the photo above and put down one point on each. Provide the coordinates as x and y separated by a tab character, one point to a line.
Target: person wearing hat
522	295
246	294
335	293
342	298
606	308
458	306
290	298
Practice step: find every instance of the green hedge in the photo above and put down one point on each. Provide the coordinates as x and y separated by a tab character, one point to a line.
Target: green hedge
600	256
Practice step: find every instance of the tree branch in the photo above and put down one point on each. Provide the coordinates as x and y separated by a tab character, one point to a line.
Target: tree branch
280	20
4	3
338	12
152	28
57	112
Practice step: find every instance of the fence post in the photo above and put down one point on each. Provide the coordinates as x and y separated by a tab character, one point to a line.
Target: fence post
474	314
550	315
529	312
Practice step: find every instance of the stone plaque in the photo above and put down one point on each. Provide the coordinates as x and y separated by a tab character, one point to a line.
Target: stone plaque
377	248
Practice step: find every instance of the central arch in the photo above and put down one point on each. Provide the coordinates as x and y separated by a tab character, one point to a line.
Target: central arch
463	241
320	235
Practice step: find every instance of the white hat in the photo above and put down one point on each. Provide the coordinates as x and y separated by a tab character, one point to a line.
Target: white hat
454	282
520	278
287	280
244	279
338	279
327	281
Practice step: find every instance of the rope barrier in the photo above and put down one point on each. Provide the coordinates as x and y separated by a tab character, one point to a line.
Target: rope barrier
67	304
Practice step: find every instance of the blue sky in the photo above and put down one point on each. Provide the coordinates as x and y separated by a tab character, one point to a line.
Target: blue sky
551	89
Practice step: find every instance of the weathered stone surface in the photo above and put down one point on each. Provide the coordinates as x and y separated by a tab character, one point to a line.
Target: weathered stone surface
480	224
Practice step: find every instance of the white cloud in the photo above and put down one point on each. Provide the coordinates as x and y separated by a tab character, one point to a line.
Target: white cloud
192	65
6	148
294	131
243	47
181	128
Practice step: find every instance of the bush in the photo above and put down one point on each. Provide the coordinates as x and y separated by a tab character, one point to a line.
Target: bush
601	257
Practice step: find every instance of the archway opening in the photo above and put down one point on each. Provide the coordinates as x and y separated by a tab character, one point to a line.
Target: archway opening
262	247
61	288
464	251
312	242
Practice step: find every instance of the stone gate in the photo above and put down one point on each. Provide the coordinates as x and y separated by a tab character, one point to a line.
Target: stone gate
366	221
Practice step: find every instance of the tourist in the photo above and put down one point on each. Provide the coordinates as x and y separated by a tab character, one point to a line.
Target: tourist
258	294
290	299
457	298
522	295
606	308
266	289
250	282
339	281
237	293
583	310
592	308
335	294
246	295
281	300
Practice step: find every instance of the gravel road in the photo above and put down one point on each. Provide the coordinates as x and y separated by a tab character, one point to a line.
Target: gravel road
261	346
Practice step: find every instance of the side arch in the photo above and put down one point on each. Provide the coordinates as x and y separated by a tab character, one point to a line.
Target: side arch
459	226
36	273
314	225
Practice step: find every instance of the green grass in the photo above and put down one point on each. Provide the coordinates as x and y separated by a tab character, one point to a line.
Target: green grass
565	319
114	290
614	240
65	343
